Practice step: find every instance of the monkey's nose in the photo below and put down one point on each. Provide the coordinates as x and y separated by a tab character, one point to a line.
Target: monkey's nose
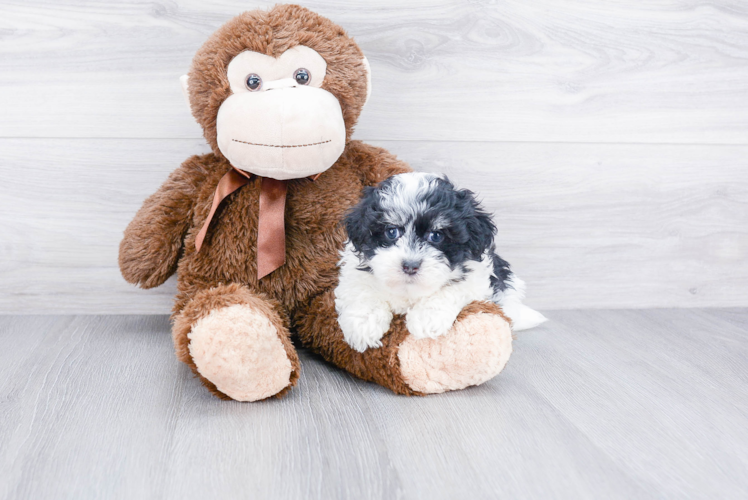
285	83
411	267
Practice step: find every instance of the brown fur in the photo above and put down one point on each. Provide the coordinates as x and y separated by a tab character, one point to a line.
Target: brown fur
272	33
161	237
375	365
154	239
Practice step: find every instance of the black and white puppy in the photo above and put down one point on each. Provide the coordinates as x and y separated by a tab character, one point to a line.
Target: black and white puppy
418	246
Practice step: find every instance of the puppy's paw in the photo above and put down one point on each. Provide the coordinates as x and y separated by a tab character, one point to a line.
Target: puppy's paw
364	329
427	322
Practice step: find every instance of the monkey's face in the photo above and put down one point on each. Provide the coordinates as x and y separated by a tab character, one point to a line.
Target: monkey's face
278	122
278	92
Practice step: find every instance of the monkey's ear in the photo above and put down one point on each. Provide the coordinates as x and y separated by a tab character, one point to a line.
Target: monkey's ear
367	67
185	88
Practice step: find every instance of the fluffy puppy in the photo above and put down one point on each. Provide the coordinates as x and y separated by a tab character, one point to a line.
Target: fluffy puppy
418	246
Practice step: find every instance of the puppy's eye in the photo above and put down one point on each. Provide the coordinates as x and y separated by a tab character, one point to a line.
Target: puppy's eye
302	76
435	237
253	82
392	233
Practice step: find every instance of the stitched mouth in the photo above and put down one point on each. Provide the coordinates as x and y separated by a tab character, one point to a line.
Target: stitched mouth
282	145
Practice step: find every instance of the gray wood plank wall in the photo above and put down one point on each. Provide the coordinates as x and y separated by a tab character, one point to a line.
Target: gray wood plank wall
611	139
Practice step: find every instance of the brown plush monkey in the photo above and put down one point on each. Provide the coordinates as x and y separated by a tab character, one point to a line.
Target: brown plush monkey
253	228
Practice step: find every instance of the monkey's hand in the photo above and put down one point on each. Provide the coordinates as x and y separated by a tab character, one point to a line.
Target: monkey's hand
154	239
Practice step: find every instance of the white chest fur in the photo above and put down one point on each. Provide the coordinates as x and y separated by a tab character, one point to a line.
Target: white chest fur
366	304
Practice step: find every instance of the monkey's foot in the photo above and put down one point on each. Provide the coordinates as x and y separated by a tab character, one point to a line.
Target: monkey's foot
239	350
475	350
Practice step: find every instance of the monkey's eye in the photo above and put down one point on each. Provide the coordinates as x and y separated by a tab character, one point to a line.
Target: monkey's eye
392	233
254	82
302	76
435	237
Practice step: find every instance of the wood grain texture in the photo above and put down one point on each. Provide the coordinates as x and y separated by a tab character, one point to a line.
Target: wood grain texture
544	108
671	71
585	225
594	404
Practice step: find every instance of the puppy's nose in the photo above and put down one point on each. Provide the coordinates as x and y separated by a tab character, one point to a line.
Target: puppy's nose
411	267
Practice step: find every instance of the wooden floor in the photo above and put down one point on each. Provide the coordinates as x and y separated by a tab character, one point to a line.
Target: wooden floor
594	404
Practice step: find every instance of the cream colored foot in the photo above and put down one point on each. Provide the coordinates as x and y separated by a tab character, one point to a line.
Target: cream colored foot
472	352
238	349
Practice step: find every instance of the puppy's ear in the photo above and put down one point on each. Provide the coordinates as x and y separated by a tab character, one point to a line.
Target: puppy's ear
480	225
361	218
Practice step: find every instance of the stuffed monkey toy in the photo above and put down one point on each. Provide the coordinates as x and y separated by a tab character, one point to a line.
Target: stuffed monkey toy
253	229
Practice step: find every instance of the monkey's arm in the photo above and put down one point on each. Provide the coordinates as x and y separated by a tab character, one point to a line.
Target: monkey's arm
154	239
376	164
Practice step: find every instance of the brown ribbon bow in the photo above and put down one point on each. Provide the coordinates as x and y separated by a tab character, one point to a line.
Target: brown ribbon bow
271	231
